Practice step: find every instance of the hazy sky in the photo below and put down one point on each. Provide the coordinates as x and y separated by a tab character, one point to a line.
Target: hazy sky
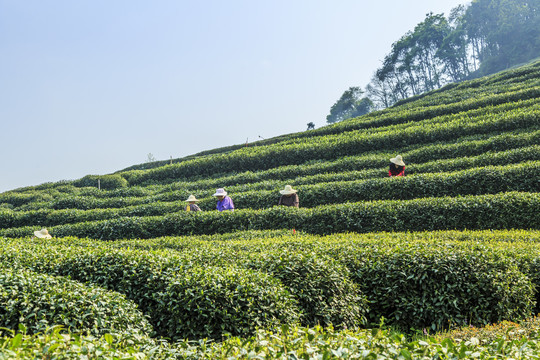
93	86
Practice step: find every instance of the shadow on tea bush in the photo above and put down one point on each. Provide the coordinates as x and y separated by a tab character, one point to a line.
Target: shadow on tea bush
40	301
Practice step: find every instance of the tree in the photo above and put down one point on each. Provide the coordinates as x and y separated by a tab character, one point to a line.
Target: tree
503	32
379	92
310	126
481	38
150	158
453	51
349	105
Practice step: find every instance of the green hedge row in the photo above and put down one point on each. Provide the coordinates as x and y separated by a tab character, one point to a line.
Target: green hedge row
426	280
188	298
106	182
506	210
422	111
150	203
291	341
436	287
452	151
43	198
481	92
391	116
321	285
56	344
38	301
332	147
419	280
478	181
509	80
49	217
487	180
181	301
450	157
522	96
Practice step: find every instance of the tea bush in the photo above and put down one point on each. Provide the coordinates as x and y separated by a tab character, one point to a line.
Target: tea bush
335	146
499	211
176	295
108	182
39	301
439	287
321	285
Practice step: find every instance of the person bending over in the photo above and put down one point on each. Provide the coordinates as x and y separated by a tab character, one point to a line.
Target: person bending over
224	201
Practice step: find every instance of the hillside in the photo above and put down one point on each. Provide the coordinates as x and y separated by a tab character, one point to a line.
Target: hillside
453	243
473	142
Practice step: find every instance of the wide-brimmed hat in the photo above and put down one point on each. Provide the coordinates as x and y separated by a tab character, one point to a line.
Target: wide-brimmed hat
398	160
191	198
43	234
220	192
287	191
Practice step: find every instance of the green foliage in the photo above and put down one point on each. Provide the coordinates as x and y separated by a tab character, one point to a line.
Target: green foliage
472	159
38	301
181	299
429	280
499	211
475	40
319	343
107	182
437	287
336	146
214	301
349	105
321	285
505	88
56	344
487	180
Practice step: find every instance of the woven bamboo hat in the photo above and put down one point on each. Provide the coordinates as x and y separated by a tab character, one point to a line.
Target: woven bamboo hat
287	191
42	234
220	192
191	198
398	160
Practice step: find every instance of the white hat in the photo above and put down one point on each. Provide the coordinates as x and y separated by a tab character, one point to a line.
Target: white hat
220	192
43	234
398	160
191	198
287	191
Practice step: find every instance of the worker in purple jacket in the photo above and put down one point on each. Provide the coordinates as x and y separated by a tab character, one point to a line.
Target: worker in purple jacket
224	202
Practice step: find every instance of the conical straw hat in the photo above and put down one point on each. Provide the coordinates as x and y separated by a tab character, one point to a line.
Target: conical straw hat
398	160
288	190
191	198
42	234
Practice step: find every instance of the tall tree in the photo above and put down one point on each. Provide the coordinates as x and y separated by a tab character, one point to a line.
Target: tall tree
428	36
453	51
503	32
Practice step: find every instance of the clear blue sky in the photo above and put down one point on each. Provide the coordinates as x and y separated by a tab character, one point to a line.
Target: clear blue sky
93	86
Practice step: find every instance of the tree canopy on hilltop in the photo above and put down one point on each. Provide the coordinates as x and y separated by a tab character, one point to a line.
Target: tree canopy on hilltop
482	38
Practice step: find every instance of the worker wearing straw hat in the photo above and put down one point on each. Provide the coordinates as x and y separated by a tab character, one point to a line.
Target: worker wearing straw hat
42	234
289	197
397	166
191	206
224	201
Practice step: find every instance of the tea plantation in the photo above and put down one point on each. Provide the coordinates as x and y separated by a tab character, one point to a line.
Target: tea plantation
368	267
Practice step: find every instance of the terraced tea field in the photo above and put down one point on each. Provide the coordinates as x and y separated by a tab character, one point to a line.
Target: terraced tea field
453	243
